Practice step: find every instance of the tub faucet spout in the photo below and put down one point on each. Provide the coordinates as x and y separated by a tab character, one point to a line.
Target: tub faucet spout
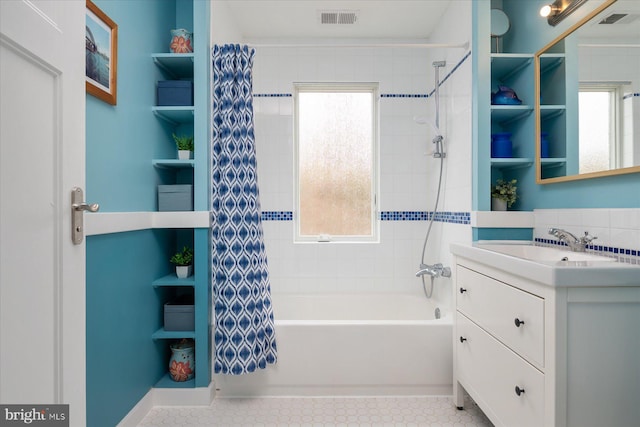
435	270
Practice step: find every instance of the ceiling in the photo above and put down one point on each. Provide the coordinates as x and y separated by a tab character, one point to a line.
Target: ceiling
376	19
285	19
627	29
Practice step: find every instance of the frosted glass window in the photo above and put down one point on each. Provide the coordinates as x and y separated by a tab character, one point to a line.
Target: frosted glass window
335	147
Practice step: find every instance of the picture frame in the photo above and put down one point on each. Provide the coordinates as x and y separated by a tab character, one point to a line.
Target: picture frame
101	49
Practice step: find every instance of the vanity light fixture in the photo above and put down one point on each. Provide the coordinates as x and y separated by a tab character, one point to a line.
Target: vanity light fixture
559	9
549	9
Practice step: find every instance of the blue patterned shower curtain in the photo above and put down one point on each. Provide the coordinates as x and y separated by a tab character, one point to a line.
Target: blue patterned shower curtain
244	336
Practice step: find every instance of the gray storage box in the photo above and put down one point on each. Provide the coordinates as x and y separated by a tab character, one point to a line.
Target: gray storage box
179	317
175	198
175	93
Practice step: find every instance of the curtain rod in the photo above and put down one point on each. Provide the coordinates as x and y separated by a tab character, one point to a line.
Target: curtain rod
407	45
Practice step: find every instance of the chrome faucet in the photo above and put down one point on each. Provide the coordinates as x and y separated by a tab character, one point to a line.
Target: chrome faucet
575	244
435	270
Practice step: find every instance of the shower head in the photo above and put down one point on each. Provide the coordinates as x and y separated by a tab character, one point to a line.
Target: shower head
439	64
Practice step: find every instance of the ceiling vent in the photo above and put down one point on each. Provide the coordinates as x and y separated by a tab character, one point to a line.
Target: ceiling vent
619	18
338	16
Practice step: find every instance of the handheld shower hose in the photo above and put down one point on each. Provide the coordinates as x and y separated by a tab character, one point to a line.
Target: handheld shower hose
439	154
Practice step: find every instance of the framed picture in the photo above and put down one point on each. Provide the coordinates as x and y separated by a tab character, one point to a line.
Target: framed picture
101	48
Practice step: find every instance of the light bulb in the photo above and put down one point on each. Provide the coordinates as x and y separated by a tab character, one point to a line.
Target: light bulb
545	10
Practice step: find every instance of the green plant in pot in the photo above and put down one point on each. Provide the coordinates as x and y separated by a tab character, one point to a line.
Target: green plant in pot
184	262
503	194
185	146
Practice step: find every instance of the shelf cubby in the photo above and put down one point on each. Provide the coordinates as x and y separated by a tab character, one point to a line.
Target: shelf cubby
173	280
161	334
167	382
511	162
175	65
175	115
508	113
172	163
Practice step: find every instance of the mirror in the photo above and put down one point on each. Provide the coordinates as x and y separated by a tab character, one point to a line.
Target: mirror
499	26
588	103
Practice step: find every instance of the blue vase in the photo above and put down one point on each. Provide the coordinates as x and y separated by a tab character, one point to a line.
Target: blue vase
544	145
501	145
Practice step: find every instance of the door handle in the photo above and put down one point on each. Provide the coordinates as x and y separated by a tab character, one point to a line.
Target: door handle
94	207
78	206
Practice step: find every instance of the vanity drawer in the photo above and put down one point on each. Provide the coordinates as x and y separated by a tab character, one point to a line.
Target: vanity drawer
491	372
514	317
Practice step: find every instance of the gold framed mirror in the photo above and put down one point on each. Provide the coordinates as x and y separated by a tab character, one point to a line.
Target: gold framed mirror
587	104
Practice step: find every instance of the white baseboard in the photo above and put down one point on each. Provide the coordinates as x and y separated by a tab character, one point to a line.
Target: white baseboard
138	412
200	396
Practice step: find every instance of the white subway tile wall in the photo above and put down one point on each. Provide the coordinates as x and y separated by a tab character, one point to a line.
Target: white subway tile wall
408	174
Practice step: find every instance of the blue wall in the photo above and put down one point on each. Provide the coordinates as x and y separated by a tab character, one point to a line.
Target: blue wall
528	34
123	309
123	139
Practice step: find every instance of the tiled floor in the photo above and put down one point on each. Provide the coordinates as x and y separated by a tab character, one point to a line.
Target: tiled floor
321	411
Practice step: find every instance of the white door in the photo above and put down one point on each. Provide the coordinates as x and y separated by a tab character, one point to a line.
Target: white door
42	274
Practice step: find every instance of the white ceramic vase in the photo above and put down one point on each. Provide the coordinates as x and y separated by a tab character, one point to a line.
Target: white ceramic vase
498	204
184	154
183	271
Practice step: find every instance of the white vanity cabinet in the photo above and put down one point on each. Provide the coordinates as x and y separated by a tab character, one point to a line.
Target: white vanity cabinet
533	354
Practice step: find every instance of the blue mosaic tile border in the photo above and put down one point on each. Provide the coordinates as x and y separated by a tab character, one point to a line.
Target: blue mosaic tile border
454	217
631	95
404	95
382	95
403	216
276	216
450	217
599	248
272	95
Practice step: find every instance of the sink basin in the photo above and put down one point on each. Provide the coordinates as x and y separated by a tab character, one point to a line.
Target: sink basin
545	254
553	266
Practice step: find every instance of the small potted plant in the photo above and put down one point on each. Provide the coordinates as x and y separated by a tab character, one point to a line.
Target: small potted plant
184	262
503	194
185	146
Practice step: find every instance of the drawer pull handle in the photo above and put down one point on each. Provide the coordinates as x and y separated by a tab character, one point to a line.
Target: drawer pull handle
518	322
463	290
462	339
519	391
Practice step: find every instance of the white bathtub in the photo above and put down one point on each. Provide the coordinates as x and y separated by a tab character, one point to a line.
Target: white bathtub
339	345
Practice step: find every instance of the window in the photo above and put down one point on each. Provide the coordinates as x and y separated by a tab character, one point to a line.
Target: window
336	161
599	123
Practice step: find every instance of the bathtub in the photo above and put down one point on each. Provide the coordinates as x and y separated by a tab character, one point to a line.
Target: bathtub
353	345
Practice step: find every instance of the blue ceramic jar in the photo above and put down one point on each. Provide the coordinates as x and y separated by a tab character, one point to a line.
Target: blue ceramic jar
544	145
182	362
501	145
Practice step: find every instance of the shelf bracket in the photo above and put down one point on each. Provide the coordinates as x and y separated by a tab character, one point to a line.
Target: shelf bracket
164	68
165	118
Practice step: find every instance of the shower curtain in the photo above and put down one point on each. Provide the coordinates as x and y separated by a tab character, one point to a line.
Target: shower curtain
244	336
